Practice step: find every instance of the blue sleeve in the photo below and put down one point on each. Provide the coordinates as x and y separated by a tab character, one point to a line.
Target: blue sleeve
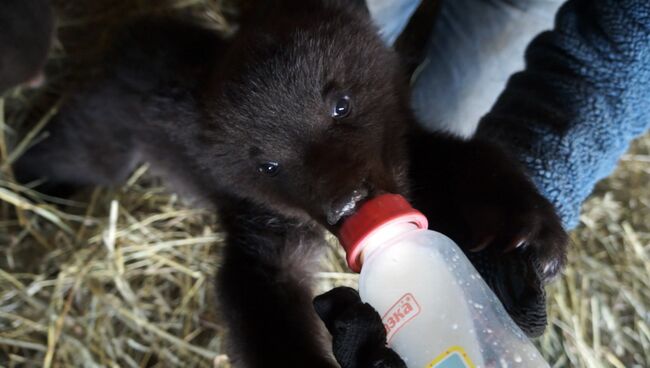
583	96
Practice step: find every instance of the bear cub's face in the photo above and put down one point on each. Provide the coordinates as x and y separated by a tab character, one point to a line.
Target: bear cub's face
308	113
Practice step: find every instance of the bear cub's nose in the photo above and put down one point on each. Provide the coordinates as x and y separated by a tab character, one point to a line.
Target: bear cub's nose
345	206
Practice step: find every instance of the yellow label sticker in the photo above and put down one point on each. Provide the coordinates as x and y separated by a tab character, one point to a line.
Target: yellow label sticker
454	357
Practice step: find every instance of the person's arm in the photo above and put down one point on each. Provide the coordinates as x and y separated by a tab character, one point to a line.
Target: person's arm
583	96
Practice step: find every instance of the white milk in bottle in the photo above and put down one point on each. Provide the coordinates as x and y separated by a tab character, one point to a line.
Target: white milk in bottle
437	310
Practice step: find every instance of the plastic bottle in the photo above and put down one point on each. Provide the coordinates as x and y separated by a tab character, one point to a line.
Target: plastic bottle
437	310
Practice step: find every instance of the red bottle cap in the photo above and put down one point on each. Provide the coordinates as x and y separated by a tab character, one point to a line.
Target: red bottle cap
383	210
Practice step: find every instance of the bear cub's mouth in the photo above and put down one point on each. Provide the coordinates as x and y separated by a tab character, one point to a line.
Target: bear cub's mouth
346	206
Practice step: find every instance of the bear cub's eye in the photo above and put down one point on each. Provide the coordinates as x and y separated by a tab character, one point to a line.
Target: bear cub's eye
342	107
269	168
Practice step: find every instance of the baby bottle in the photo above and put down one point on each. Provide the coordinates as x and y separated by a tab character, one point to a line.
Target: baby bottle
437	310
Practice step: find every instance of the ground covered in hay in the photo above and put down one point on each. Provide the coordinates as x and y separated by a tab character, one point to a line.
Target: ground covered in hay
123	277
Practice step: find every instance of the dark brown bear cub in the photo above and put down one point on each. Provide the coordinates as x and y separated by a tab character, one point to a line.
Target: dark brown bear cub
285	129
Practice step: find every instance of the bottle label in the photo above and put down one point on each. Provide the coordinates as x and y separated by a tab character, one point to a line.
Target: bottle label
401	313
454	357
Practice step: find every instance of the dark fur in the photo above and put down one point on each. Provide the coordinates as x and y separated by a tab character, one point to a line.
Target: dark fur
26	28
205	112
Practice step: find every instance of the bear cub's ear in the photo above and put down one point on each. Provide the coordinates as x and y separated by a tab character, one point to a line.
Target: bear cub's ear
360	4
